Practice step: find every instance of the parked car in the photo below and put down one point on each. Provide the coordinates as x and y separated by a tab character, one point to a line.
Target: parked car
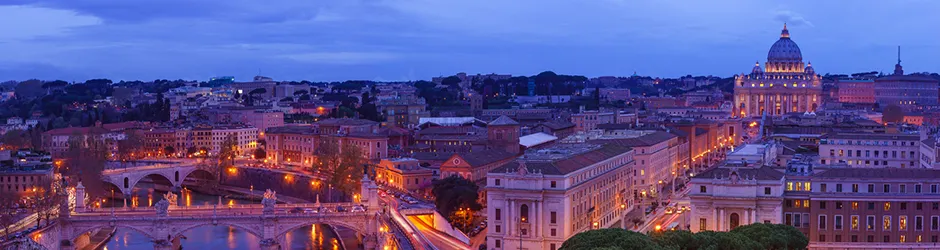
309	211
340	209
358	209
295	210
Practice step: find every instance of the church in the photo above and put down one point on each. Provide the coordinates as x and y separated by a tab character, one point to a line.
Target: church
783	85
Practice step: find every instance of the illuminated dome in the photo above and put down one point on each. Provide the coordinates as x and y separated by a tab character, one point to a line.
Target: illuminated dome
784	50
809	68
757	69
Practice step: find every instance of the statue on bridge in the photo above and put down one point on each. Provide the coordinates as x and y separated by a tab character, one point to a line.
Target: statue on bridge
268	201
162	207
171	198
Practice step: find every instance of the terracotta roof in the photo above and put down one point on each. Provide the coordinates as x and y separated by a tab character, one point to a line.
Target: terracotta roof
558	124
762	173
480	158
503	121
302	129
613	126
76	130
346	121
879	173
567	165
642	141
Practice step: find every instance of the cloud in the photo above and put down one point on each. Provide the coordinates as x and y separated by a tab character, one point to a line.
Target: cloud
27	22
791	18
342	57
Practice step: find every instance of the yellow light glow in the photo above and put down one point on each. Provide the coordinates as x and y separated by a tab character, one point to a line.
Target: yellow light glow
658	227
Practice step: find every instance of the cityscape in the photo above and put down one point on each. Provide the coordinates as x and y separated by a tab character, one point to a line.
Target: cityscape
778	156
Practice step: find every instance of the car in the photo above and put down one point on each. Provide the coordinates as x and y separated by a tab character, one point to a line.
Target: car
340	209
669	210
309	211
358	209
295	210
649	210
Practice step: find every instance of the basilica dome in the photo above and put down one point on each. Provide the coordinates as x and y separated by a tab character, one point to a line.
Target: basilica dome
784	50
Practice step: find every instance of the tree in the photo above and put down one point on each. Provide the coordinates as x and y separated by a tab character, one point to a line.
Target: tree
342	162
228	150
44	203
892	113
169	150
613	238
131	148
8	206
454	193
17	139
85	158
773	236
260	154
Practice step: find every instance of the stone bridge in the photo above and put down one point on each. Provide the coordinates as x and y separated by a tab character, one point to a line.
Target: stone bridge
126	177
271	226
165	222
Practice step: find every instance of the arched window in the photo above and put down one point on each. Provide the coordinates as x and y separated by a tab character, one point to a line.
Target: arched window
177	176
524	213
125	182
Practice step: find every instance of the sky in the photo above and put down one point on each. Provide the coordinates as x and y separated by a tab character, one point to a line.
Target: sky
396	40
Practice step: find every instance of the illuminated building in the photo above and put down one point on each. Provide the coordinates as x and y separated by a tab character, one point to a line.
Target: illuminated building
782	86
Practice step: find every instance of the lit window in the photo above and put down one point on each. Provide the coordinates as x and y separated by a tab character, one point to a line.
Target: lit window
887	223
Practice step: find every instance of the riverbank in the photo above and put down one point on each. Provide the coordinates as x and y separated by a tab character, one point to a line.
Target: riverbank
100	239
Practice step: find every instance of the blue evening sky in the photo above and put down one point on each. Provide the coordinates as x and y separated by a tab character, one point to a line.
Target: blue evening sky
327	40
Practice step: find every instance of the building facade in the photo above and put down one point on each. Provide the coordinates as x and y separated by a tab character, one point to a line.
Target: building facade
404	174
782	86
540	201
870	150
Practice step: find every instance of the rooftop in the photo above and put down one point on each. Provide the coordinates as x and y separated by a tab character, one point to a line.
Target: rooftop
880	173
503	121
871	136
536	139
762	173
564	159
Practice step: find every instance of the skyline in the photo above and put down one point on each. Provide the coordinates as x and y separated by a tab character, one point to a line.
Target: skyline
419	39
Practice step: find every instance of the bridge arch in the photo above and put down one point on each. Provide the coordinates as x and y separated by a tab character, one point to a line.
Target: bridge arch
179	232
186	173
79	231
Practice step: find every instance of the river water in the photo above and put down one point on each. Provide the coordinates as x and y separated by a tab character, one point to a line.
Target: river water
221	237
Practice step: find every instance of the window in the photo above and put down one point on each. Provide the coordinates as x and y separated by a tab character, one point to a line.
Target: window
871	238
886	221
870	222
871	206
837	223
806	203
554	231
838	187
854	238
524	213
887	205
933	188
497	182
497	228
797	221
903	205
920	206
934	223
838	238
854	188
871	188
854	205
854	223
788	219
919	223
917	188
822	205
887	238
822	188
553	218
822	222
822	238
702	226
767	191
903	238
936	205
498	245
702	189
903	188
838	205
499	215
902	222
552	246
887	188
554	184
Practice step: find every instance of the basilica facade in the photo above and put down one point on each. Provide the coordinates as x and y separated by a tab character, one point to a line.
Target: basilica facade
783	85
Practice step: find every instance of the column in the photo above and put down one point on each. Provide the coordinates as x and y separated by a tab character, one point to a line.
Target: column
540	219
714	219
534	215
754	215
721	220
509	218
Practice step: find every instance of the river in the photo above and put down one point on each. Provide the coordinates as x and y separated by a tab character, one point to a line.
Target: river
222	237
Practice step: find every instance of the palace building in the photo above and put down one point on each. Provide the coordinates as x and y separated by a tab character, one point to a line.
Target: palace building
782	86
